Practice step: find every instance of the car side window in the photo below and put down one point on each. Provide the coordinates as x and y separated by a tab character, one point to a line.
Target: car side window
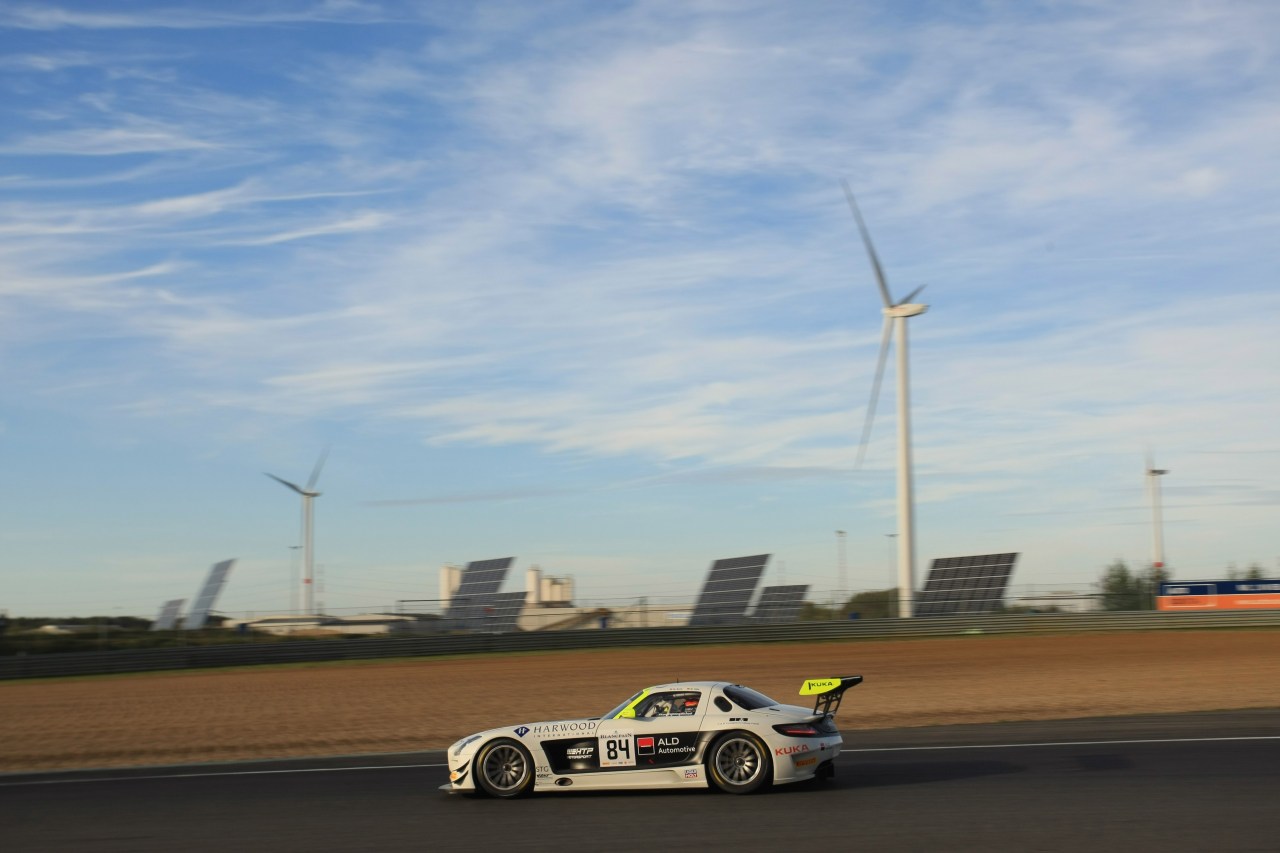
672	703
748	699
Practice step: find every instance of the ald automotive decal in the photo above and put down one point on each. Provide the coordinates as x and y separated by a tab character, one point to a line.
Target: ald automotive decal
665	747
622	748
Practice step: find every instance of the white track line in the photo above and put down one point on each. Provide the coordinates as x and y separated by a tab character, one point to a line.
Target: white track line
842	752
215	773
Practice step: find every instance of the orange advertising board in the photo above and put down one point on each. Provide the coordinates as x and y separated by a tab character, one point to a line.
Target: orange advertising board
1220	595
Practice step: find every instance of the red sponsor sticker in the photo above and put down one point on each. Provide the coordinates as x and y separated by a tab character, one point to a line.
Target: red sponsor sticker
644	746
791	750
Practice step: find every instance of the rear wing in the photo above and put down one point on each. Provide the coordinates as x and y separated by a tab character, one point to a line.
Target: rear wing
828	691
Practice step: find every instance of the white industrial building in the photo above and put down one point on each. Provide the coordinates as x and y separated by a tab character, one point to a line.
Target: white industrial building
548	605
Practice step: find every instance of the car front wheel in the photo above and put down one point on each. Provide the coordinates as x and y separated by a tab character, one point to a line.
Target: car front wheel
504	769
739	763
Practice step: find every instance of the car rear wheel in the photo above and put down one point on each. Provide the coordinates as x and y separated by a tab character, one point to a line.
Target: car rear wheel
504	769
739	763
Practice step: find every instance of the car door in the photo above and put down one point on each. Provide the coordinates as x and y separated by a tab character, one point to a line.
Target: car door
661	730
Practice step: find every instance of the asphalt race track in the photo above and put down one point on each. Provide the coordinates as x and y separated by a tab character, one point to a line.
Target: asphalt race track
1206	782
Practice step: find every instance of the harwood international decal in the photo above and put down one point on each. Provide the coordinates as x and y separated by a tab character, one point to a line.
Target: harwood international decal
582	727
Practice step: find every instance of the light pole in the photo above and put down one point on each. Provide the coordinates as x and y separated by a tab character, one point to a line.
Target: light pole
890	537
103	626
840	571
1157	528
293	579
1157	520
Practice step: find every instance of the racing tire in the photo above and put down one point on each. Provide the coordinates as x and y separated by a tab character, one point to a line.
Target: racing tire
504	769
739	763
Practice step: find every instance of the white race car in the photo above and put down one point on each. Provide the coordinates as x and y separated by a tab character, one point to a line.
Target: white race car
684	735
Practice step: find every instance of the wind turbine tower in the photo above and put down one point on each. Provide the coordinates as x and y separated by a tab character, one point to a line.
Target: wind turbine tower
896	315
308	551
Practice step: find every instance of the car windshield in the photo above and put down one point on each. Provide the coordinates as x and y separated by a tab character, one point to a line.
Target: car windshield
748	699
618	710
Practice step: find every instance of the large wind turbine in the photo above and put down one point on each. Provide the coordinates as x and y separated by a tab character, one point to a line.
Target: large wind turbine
308	494
895	322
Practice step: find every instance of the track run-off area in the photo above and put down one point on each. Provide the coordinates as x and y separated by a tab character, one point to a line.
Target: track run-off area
1204	781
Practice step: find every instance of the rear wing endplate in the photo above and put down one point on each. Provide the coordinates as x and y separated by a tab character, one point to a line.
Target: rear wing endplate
827	692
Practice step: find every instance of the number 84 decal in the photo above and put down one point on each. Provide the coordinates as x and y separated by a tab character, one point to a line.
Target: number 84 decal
616	749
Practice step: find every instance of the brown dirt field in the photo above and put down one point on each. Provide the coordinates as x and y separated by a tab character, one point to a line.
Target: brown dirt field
389	706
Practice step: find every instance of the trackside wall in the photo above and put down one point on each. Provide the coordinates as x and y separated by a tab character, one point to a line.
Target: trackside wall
194	657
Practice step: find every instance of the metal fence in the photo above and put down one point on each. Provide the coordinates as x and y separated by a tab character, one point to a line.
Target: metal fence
367	648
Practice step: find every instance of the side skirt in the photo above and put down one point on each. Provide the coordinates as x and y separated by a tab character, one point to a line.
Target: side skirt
626	780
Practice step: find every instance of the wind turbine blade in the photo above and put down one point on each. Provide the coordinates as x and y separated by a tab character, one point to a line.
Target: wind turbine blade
315	473
866	239
286	483
875	392
913	294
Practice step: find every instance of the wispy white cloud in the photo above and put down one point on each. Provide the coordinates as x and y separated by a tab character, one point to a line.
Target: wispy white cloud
106	142
53	17
368	220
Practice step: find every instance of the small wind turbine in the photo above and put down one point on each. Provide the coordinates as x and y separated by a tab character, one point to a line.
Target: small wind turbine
308	494
895	321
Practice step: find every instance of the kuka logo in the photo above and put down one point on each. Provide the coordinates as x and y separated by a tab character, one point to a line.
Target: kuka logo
791	750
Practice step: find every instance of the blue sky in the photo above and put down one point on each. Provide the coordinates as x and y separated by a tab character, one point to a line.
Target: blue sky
576	282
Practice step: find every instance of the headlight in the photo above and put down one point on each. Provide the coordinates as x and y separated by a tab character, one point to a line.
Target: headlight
462	744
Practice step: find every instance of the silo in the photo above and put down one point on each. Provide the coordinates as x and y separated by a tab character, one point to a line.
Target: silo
533	586
450	577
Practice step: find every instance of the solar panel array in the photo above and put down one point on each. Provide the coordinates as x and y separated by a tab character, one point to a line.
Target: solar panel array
781	603
483	577
168	618
727	591
199	613
961	585
479	582
496	612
